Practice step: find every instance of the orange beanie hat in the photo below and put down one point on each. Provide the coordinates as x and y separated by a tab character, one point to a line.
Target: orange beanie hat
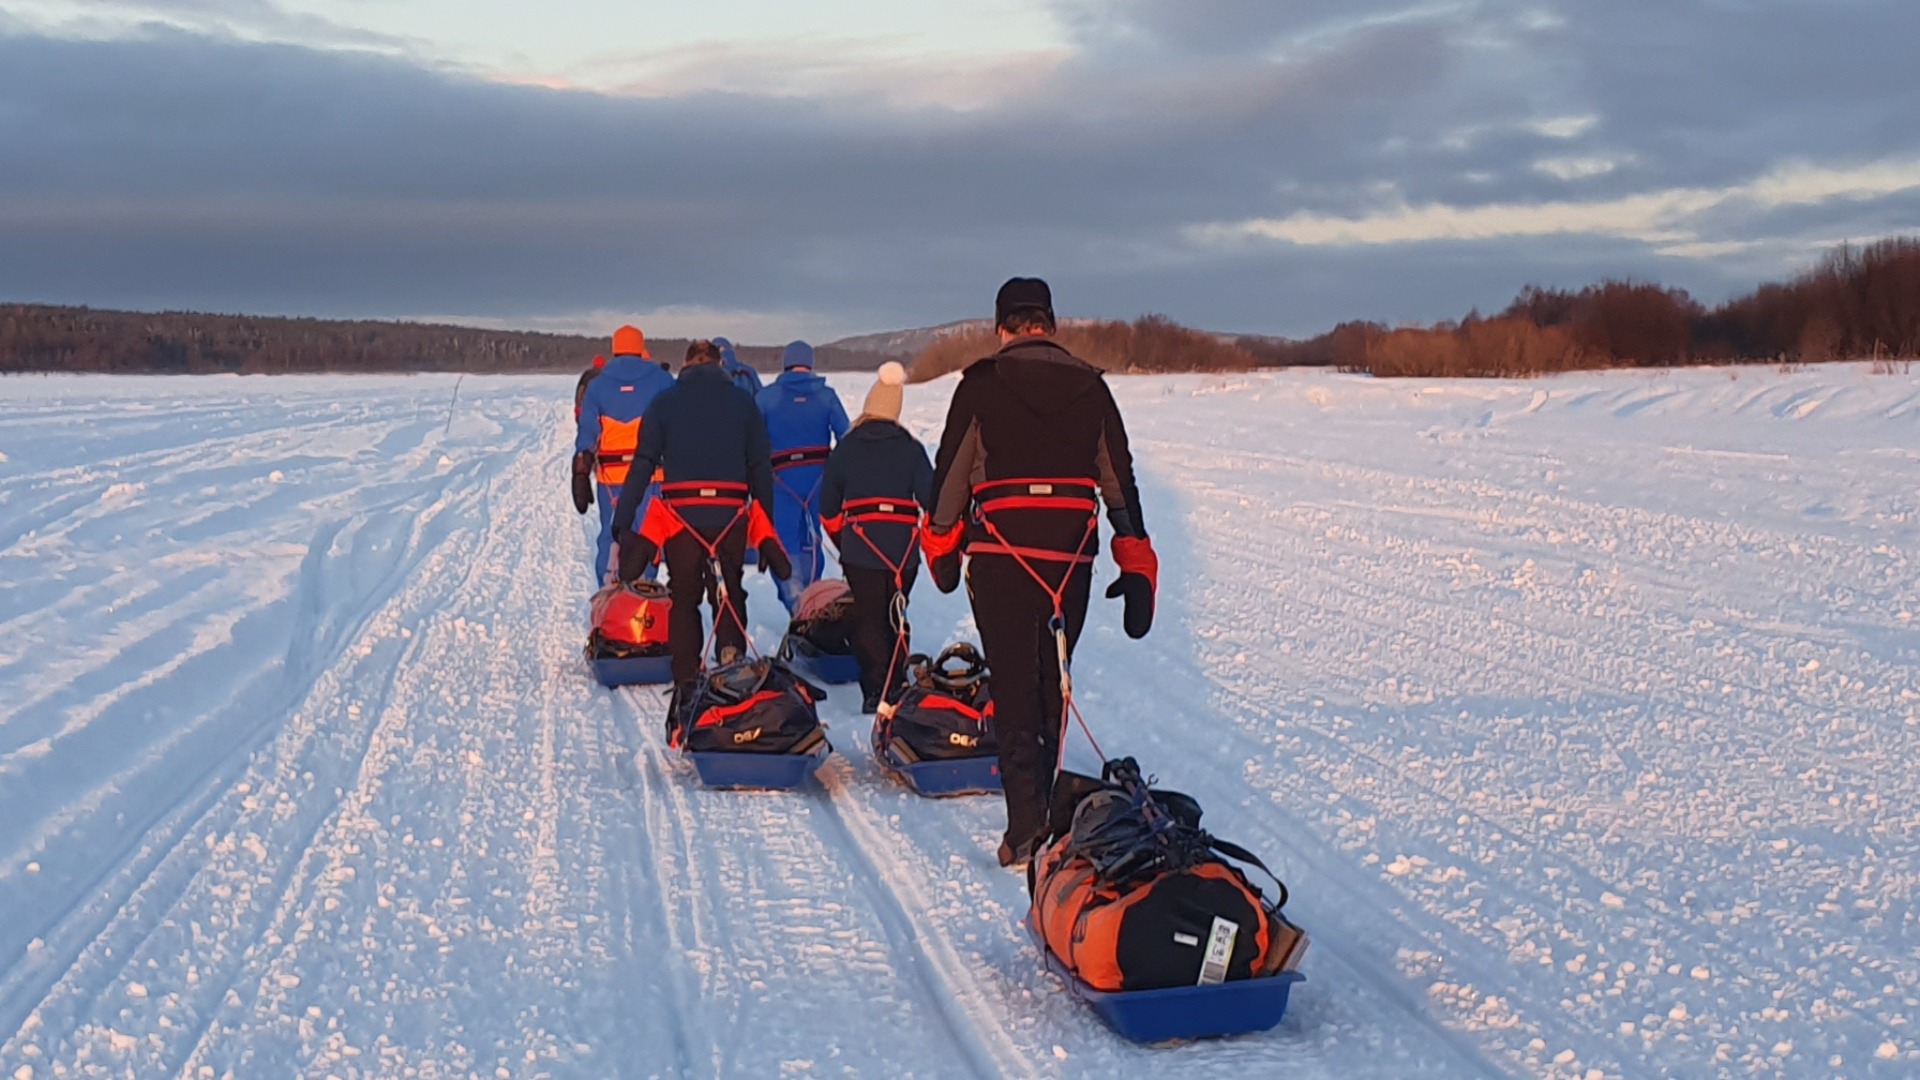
629	341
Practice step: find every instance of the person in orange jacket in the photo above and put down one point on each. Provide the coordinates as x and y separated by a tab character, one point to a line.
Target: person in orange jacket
608	431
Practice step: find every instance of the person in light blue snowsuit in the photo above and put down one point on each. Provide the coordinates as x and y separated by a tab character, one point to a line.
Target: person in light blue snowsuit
804	420
611	410
739	371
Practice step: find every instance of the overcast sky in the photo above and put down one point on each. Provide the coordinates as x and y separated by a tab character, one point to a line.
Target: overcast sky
769	168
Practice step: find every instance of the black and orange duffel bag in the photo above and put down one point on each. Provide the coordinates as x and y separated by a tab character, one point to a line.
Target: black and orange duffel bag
1131	894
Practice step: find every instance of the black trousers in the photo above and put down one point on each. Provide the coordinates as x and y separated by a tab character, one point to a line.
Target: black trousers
875	635
690	580
1012	612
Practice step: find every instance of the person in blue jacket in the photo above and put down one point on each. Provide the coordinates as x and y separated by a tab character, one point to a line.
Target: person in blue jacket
740	372
804	419
608	431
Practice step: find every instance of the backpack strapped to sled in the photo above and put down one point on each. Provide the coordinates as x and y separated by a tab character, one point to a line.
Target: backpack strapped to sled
819	641
1148	917
752	723
628	643
936	731
749	723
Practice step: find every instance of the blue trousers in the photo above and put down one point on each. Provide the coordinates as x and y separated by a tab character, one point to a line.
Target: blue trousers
603	552
796	517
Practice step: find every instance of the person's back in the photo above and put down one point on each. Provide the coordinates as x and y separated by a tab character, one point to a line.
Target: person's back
587	376
607	426
1033	445
804	416
738	370
709	442
877	483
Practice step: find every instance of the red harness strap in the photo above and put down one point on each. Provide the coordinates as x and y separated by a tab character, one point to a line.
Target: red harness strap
1075	495
664	522
800	455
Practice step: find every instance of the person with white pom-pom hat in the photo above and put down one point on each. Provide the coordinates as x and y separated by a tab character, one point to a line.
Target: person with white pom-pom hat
878	483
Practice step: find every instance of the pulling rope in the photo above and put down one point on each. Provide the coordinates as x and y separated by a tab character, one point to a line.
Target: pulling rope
1057	625
722	596
883	509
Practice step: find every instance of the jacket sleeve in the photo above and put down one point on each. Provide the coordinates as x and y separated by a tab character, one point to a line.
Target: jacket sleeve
1115	459
836	416
833	485
960	453
922	478
759	459
586	435
646	458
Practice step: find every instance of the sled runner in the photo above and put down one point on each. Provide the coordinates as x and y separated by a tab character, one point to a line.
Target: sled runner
936	732
1182	1012
628	643
1148	918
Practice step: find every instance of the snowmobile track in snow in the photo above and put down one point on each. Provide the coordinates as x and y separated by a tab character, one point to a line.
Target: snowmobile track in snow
1575	713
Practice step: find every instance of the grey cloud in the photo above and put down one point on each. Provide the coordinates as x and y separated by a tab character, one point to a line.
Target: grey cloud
176	169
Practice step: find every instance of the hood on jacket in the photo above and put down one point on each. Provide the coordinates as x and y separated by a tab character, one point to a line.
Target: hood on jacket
878	429
726	351
626	367
804	382
1046	378
797	354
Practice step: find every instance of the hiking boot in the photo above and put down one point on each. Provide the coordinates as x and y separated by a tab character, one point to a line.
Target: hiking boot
869	703
1017	858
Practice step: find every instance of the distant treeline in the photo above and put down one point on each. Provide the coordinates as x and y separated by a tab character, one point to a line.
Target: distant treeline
42	338
1858	303
1152	343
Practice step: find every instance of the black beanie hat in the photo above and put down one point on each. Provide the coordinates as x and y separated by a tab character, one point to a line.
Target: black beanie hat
1022	294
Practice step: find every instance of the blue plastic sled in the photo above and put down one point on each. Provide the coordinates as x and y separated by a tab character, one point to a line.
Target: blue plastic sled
633	671
944	779
1242	1007
825	669
768	772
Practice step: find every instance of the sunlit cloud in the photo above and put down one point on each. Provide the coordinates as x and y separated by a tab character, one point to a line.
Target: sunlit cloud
1665	217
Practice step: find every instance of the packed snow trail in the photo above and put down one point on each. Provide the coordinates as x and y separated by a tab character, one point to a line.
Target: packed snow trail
1577	713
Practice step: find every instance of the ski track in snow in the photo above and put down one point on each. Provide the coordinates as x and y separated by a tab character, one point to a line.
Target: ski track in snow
1576	714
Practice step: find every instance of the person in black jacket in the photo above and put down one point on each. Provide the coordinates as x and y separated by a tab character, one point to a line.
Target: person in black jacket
710	441
1034	444
580	388
877	482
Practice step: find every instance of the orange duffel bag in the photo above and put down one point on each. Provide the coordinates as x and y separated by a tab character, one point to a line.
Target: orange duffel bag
1131	894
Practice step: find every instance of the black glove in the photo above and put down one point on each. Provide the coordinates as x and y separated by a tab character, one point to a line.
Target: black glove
773	558
636	554
583	480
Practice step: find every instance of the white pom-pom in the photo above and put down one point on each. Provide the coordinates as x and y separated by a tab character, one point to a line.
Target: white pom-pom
892	373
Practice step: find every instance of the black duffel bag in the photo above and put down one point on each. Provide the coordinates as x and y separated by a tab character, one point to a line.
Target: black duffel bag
753	706
943	711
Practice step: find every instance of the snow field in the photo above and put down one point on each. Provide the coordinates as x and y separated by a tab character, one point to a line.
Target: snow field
1576	713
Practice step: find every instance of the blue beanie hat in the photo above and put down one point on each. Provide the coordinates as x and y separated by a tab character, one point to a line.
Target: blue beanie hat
798	354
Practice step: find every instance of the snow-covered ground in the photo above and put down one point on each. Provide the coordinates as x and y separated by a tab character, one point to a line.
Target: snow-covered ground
1581	716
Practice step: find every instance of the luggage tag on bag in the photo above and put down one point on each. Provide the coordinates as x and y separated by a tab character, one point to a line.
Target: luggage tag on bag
1213	971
